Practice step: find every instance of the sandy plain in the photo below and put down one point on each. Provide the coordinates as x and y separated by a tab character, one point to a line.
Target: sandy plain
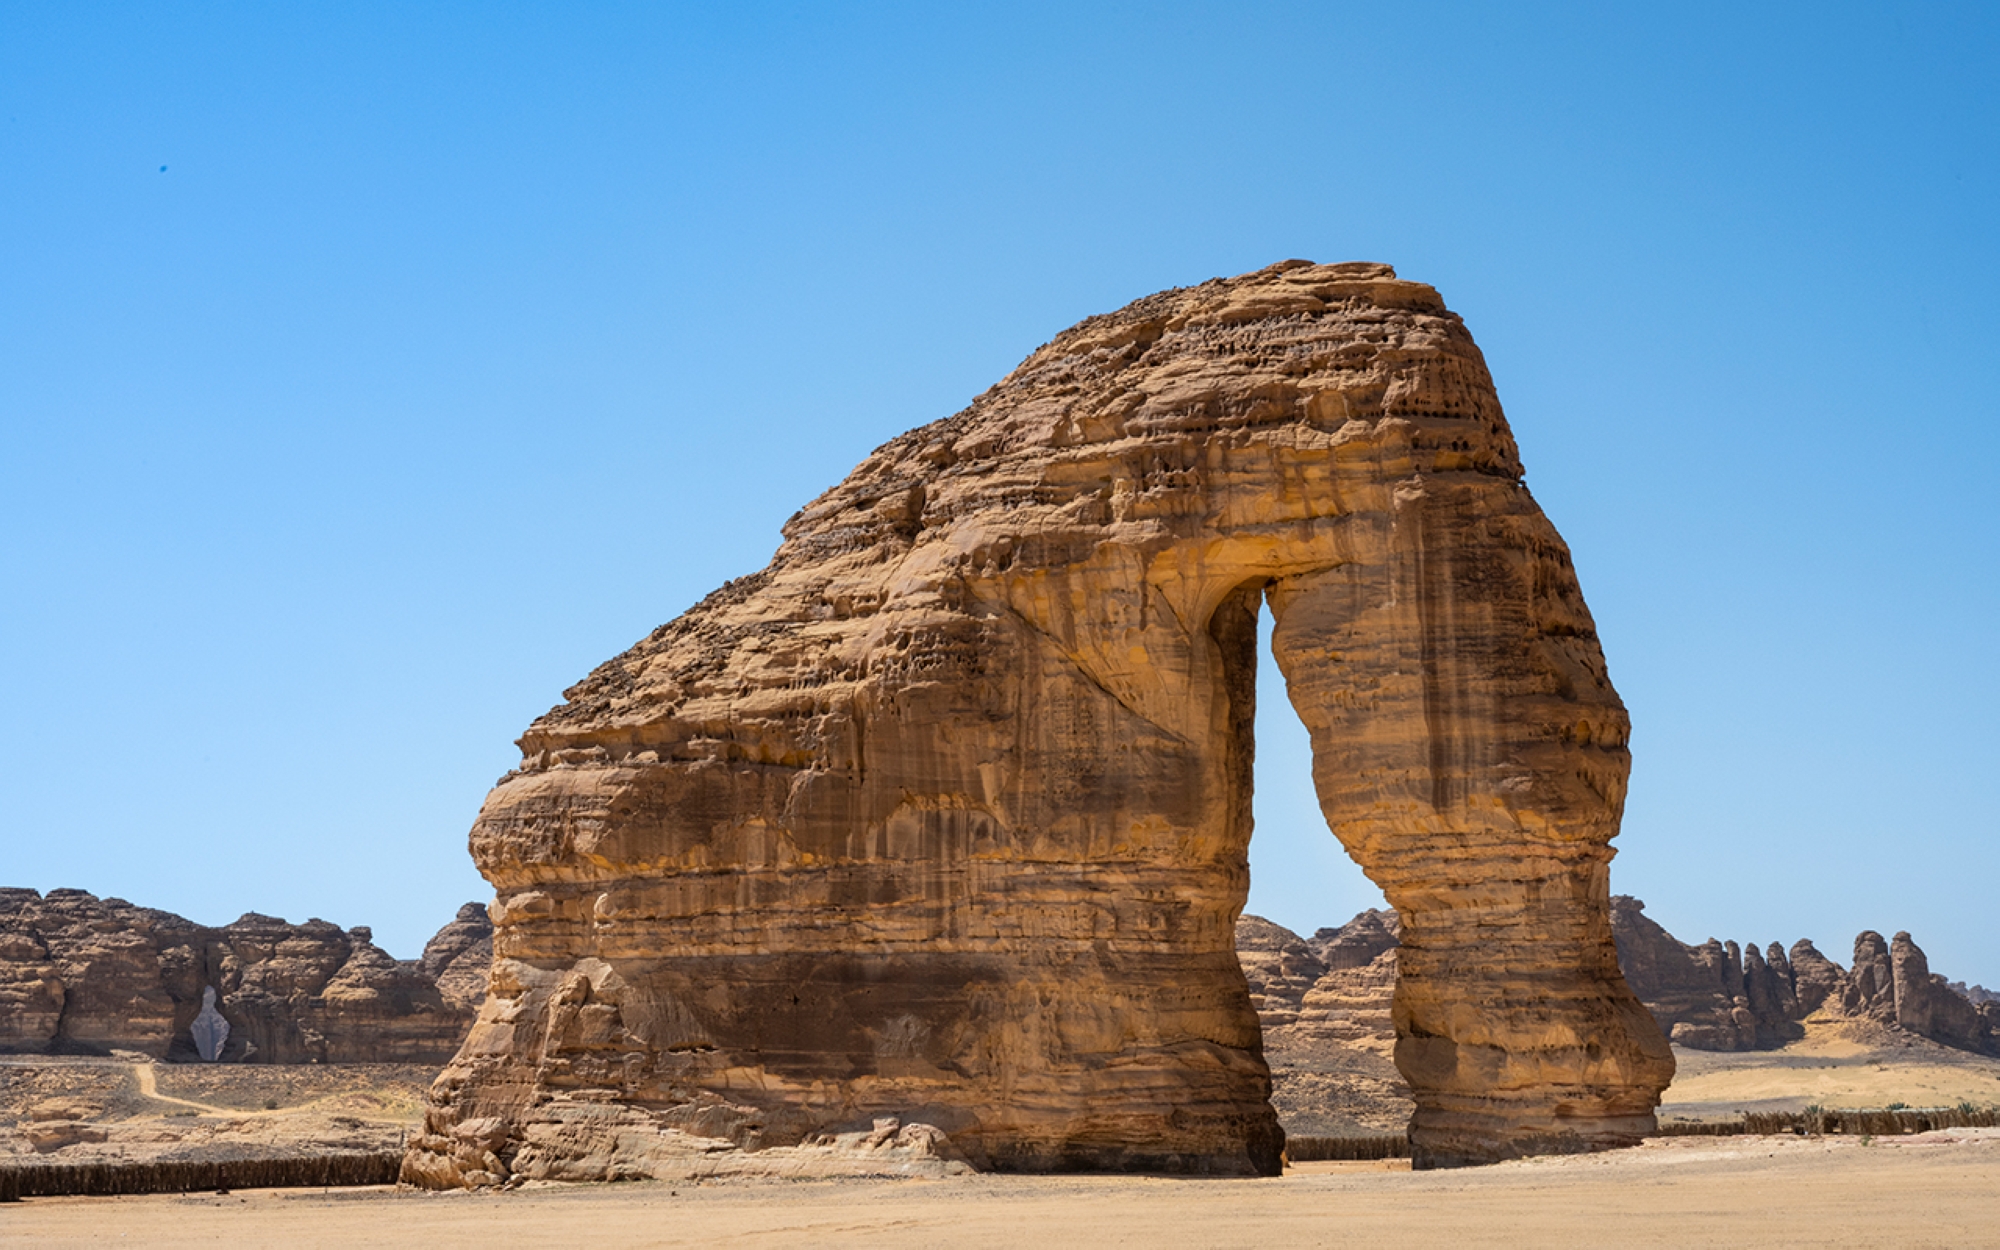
1931	1189
1835	1066
1937	1189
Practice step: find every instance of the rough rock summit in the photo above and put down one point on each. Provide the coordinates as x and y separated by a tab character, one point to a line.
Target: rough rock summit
943	816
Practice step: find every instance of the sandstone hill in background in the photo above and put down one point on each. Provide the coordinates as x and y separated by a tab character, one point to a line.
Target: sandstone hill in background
1324	1002
82	975
1717	996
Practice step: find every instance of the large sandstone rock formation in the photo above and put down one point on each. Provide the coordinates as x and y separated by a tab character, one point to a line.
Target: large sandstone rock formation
1719	996
944	814
84	975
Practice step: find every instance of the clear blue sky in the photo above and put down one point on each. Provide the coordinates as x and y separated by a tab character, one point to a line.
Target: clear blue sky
456	347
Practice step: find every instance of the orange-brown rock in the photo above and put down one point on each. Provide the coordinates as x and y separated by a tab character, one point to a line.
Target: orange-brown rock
1279	968
1719	996
1330	1042
84	975
943	815
457	957
1716	996
1357	943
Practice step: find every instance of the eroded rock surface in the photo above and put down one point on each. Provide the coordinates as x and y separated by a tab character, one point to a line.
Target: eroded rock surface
83	975
1327	1046
943	815
1719	996
1328	1023
1357	943
457	958
1279	967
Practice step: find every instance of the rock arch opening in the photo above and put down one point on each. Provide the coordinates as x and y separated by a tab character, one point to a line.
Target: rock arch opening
1316	942
930	837
1300	875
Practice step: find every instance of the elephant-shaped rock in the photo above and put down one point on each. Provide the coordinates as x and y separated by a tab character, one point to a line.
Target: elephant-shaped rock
942	818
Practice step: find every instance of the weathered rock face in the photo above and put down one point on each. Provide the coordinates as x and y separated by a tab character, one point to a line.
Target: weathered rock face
944	814
1329	1034
1278	966
1323	1043
1332	1061
79	974
1359	942
104	973
457	958
31	997
1977	995
1927	1005
1718	996
1870	990
1815	978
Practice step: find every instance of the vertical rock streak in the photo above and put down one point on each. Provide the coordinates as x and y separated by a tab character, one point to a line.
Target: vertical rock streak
945	813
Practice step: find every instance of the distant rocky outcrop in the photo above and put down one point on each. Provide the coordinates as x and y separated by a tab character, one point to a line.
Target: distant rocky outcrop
459	957
1279	966
1974	994
84	975
1324	1003
1716	996
1329	1038
1357	943
1719	996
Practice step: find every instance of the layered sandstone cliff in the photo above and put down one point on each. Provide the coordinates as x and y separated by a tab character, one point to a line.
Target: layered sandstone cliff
1719	996
458	956
84	975
943	815
1326	1005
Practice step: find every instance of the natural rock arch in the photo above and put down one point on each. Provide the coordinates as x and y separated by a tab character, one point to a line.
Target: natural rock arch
944	815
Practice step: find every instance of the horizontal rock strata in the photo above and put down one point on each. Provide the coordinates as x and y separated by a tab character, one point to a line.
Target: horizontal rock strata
1326	1005
943	816
84	975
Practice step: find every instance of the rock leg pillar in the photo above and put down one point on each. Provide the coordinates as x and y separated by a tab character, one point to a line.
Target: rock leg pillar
1470	753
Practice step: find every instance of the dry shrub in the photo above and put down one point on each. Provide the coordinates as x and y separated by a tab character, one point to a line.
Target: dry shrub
46	1179
1301	1149
1815	1121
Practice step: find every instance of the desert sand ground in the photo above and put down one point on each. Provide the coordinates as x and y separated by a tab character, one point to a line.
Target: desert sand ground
1931	1189
134	1109
1939	1189
1833	1066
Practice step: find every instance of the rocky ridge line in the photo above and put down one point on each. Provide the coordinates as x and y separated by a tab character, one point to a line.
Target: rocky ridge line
1326	1006
84	975
1722	996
